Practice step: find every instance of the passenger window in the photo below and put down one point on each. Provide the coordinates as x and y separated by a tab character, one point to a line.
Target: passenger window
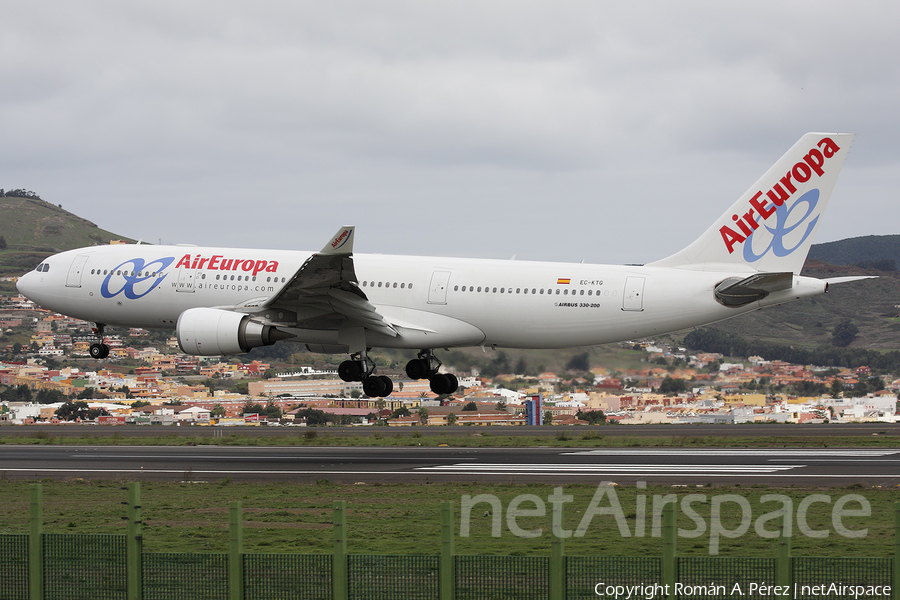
403	286
455	288
479	288
542	290
565	292
395	285
379	284
557	291
410	286
495	290
519	290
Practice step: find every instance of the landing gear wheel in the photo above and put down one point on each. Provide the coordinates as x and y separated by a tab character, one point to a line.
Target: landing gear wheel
417	369
388	385
99	351
350	370
454	383
373	387
440	384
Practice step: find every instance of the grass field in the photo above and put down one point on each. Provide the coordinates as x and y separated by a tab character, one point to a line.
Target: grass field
405	519
433	436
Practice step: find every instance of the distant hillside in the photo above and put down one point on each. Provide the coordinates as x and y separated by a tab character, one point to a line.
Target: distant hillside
871	304
868	251
34	229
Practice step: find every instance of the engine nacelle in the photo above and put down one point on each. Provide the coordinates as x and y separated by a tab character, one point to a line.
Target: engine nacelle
214	332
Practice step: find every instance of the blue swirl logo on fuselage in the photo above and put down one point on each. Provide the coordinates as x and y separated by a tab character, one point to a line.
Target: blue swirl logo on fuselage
781	228
138	273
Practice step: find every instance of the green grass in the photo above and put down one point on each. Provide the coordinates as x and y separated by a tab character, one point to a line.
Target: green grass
405	519
487	437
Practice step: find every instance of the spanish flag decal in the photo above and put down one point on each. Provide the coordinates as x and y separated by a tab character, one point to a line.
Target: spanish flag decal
561	281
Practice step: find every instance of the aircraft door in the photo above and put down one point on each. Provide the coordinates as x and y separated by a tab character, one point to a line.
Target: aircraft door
633	298
186	279
437	292
73	279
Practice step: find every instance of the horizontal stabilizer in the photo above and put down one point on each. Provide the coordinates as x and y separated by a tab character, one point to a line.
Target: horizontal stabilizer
833	280
738	292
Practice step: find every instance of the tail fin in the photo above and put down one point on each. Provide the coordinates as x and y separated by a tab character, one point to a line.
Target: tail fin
771	227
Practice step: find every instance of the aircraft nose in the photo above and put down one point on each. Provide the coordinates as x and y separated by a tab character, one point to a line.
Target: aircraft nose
25	284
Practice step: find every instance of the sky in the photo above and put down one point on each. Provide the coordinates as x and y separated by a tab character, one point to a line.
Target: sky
567	131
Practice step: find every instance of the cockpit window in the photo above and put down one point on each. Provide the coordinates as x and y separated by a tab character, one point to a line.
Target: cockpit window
42	268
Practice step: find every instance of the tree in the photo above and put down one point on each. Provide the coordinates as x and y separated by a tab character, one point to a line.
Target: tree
312	416
844	333
594	417
452	418
423	415
501	406
670	385
217	412
49	396
837	388
470	406
579	362
71	411
548	417
400	412
20	393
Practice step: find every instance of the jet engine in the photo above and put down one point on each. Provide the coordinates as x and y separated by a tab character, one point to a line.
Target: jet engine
214	332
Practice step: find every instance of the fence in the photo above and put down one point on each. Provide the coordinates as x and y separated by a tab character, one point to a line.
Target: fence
41	566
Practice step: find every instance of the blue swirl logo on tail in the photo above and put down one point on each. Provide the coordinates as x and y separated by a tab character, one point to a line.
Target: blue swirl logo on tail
781	228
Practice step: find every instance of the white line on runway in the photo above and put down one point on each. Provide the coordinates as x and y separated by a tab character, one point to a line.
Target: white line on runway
582	468
792	452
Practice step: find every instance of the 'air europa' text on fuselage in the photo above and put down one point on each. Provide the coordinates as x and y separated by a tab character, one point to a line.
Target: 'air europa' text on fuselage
782	191
218	262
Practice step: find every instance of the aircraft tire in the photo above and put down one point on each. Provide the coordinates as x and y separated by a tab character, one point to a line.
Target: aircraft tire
373	387
454	383
388	385
440	384
350	370
99	351
417	369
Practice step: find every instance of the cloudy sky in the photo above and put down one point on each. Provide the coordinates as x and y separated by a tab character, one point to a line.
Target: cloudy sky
609	132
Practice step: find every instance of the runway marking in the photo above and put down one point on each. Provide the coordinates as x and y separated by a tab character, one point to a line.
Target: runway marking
554	473
732	452
605	468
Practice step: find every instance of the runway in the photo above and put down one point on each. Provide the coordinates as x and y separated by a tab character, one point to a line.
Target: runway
778	467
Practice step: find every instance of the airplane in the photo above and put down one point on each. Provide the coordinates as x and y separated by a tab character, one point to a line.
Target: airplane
224	301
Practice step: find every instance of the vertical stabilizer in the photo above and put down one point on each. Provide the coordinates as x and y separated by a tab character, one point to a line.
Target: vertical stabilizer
771	227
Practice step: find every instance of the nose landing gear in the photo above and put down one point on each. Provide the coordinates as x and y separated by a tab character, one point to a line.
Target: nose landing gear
98	349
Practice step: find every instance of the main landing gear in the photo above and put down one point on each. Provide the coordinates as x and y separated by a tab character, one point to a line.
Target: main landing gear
426	366
361	368
99	349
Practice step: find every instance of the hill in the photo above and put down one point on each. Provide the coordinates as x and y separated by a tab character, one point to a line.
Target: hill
870	250
34	229
870	304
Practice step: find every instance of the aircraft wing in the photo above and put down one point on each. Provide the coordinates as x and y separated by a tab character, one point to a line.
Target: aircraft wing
325	290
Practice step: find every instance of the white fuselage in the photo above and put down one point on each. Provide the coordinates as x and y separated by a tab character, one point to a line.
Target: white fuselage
433	302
